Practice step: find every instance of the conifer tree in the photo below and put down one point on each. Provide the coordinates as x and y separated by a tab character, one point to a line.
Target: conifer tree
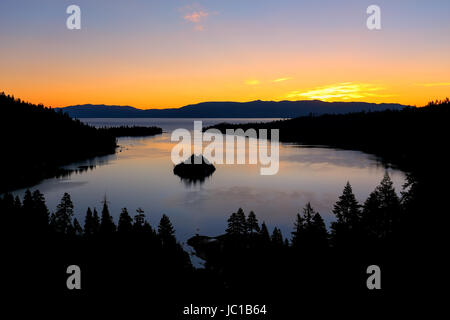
62	219
308	213
95	222
277	237
252	223
298	231
264	234
28	202
319	231
347	209
309	230
166	231
125	224
139	220
237	224
107	225
89	223
241	221
40	211
232	228
77	230
346	228
382	210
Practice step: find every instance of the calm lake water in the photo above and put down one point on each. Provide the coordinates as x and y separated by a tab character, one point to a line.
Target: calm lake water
140	175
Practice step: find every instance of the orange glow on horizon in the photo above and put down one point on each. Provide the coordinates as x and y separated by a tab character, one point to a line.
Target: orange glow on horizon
168	54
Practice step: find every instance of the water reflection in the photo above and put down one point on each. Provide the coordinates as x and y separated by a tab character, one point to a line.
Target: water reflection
141	175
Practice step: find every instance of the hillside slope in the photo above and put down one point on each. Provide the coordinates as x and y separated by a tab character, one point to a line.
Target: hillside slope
37	140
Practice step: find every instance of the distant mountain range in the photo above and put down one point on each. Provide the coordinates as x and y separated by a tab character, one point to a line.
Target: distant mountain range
253	109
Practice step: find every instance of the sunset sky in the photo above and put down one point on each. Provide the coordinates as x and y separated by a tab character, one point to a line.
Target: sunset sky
169	53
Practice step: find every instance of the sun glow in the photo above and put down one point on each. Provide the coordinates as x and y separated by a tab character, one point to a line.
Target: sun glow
340	92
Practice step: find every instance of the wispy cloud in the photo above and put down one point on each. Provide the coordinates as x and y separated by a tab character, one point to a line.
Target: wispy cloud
252	82
434	84
196	15
340	91
282	79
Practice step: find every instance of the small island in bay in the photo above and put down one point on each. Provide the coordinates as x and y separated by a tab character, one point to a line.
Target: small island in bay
195	168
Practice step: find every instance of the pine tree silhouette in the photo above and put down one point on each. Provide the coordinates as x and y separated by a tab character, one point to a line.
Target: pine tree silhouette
346	229
41	213
264	234
252	223
298	231
95	222
319	232
382	210
166	231
277	237
62	218
237	224
89	229
125	224
77	230
107	225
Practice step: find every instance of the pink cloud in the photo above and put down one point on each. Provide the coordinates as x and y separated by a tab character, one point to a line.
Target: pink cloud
196	16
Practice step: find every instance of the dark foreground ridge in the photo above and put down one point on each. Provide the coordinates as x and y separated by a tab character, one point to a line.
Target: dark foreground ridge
413	139
248	264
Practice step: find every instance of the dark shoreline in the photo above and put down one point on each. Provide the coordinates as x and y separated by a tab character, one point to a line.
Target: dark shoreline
401	138
41	141
58	170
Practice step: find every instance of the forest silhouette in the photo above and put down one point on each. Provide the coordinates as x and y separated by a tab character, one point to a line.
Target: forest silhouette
401	234
39	140
246	262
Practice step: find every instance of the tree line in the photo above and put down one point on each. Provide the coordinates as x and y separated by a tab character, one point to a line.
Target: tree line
129	254
39	140
405	235
378	219
313	258
246	261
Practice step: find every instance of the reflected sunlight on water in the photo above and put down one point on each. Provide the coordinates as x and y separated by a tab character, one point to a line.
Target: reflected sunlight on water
140	174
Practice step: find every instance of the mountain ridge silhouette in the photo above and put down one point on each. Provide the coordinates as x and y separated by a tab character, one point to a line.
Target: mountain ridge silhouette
229	109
